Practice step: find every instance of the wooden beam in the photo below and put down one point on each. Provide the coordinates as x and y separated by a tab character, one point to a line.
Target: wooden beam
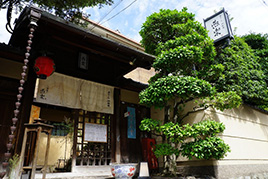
97	50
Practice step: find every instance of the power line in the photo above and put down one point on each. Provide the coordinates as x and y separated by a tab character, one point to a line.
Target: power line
120	11
106	15
109	11
263	2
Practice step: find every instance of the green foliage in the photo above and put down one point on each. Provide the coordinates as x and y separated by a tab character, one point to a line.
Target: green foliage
225	100
264	107
207	148
69	9
256	41
179	60
190	52
173	131
259	43
159	27
149	125
207	128
203	144
165	149
166	88
13	162
187	47
243	74
187	39
69	124
186	70
214	72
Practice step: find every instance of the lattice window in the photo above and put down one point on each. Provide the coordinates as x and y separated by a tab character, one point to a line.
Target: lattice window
93	153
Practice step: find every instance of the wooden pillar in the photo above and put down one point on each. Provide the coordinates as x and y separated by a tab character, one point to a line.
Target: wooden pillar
117	126
44	170
39	129
22	153
76	116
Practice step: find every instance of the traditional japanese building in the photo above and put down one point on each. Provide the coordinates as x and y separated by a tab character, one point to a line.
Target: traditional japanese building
94	105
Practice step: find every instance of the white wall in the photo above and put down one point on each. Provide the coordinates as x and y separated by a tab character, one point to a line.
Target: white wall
58	149
246	132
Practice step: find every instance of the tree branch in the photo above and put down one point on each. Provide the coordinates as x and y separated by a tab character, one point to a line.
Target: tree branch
194	111
3	4
177	105
161	135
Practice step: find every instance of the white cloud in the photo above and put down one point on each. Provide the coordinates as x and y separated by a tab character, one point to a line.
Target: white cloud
249	16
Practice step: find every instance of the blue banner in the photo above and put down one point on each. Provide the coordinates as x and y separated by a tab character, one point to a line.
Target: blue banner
131	125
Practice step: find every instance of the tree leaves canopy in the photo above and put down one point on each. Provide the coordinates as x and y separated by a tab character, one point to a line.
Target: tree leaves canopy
182	48
67	9
243	73
159	27
185	58
186	70
259	43
206	143
166	88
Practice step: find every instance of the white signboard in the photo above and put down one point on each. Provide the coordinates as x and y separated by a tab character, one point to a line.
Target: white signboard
95	132
218	26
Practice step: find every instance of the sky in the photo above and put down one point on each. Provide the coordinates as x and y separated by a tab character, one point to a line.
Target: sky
127	16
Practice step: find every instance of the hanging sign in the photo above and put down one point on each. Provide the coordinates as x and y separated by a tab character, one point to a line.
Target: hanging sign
83	60
218	26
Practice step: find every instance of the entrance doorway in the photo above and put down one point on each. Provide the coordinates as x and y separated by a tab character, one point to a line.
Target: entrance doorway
131	149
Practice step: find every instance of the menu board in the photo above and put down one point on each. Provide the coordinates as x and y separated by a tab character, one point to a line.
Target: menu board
95	132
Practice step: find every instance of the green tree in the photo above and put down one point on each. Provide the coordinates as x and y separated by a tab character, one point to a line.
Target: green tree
69	9
159	30
185	65
259	43
245	70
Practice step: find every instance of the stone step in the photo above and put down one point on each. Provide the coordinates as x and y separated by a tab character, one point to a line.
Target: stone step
69	175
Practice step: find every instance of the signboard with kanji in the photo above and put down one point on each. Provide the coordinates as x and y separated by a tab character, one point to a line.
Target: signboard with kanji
218	26
95	132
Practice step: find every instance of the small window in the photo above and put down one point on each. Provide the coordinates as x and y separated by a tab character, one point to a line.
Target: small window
60	128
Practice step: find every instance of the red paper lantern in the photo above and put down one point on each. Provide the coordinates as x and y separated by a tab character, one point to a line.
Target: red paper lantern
44	67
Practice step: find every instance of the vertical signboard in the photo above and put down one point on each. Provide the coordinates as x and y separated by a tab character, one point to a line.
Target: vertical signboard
131	125
218	26
83	60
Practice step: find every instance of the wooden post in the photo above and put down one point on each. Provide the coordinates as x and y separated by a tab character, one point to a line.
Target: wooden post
76	118
39	129
44	170
116	127
22	152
